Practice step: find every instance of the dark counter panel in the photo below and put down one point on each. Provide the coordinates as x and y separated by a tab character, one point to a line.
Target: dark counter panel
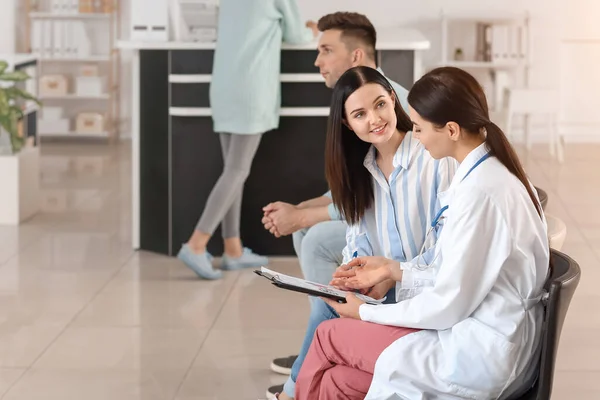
288	166
154	151
190	94
293	94
398	65
31	126
305	94
201	61
191	61
299	62
197	164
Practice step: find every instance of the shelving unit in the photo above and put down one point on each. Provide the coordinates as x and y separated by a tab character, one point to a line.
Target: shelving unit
101	26
507	59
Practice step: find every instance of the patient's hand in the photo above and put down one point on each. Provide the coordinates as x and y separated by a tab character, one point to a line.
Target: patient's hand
282	218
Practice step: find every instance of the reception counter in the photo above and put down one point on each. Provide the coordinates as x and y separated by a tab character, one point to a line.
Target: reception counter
177	156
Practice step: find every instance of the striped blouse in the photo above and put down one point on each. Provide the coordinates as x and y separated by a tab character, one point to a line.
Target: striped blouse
396	225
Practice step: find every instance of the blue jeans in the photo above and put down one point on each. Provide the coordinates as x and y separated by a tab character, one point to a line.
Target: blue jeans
319	312
319	250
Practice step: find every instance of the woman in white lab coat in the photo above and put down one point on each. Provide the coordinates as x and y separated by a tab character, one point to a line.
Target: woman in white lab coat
472	328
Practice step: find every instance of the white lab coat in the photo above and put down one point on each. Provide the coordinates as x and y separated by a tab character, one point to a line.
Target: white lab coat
481	314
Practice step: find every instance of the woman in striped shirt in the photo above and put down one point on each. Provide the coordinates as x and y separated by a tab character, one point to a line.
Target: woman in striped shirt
382	180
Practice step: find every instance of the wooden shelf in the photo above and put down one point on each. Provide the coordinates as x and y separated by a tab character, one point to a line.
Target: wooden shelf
483	64
76	60
76	134
49	15
75	97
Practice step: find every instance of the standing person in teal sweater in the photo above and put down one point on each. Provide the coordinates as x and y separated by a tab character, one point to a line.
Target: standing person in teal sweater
245	102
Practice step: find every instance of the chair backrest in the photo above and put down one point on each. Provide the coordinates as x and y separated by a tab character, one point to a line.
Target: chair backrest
561	287
543	196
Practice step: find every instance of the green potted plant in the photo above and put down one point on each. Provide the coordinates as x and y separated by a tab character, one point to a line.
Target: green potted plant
10	110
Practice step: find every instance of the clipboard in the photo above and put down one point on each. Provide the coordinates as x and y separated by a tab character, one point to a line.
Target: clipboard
311	288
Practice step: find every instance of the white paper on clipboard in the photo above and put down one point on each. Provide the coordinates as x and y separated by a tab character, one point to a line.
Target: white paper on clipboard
301	283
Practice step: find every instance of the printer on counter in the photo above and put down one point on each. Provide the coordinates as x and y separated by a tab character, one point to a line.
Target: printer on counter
150	20
190	20
195	20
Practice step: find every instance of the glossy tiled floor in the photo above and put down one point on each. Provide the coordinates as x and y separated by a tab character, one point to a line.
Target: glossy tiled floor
84	317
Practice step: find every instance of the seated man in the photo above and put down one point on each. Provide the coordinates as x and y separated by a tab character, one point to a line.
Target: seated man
319	233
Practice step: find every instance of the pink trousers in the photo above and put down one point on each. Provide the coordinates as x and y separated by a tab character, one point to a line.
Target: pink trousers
341	359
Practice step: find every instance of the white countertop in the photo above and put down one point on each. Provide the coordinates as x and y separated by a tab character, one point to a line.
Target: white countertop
387	39
17	58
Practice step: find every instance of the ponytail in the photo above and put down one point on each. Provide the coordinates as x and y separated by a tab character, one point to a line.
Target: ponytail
501	148
450	94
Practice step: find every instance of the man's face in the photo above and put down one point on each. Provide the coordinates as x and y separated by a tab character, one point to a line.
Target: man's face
334	57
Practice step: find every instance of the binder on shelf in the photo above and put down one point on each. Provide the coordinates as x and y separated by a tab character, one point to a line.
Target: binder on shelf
47	38
74	6
56	6
67	39
57	49
499	43
513	34
36	37
484	42
523	43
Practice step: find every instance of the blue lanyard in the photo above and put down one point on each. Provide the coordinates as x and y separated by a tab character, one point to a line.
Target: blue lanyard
436	220
482	159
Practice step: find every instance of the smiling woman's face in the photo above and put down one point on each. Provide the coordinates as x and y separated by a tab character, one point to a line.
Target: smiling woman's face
370	113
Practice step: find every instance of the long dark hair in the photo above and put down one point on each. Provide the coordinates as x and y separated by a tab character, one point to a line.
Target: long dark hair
350	182
450	94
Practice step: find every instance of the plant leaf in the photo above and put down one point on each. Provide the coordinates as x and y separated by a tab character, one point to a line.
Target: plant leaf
16	76
9	123
16	112
17	143
4	104
16	93
3	66
4	123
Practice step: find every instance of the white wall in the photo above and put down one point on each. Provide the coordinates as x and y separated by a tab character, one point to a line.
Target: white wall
579	66
424	16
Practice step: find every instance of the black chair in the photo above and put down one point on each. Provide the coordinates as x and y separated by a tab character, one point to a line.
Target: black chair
560	287
543	197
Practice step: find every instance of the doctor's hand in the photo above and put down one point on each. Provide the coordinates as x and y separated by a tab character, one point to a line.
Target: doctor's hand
378	291
349	309
366	272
